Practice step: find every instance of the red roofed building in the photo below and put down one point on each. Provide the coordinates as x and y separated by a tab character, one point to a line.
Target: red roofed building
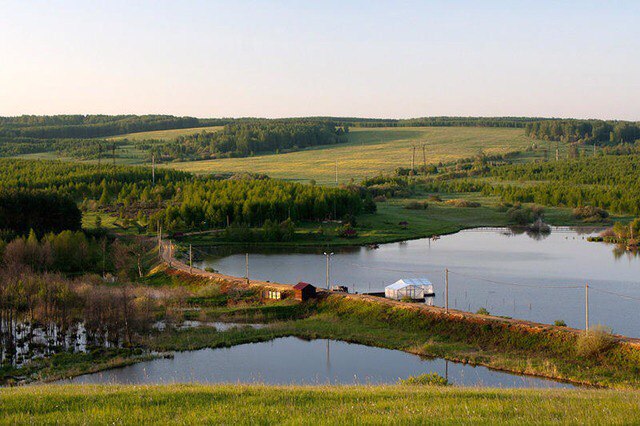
304	291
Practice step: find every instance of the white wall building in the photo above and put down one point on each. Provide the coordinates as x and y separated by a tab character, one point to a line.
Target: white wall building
413	288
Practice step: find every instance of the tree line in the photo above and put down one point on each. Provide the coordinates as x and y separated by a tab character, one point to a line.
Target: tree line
92	126
176	200
592	132
248	138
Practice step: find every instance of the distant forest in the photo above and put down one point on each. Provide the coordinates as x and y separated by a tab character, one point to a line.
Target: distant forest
93	126
591	132
247	138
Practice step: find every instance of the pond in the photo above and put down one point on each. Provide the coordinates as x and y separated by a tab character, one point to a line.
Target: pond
290	360
507	273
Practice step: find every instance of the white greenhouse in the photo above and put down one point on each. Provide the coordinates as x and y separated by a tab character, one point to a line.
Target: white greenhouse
412	288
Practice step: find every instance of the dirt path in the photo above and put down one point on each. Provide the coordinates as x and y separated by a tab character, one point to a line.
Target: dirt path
530	326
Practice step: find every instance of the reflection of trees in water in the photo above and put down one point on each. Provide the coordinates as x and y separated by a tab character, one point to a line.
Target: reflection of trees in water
533	233
620	250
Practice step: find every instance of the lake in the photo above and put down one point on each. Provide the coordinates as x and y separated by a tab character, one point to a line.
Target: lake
290	360
510	274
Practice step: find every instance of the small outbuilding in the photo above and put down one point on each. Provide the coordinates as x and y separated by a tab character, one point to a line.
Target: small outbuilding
411	288
304	291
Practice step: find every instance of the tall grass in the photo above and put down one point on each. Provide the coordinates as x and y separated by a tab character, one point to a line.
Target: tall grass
248	404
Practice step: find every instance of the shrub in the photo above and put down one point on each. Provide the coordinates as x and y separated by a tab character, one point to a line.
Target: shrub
463	203
590	213
482	311
560	323
594	342
525	215
347	231
431	379
210	269
416	205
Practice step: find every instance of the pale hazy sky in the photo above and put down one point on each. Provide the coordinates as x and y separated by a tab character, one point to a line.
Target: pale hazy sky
341	58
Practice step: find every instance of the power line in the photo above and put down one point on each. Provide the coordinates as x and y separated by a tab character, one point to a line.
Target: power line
512	284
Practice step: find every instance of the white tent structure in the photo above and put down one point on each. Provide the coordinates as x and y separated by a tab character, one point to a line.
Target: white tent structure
413	288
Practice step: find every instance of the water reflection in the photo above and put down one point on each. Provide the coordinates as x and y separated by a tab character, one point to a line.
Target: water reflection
291	360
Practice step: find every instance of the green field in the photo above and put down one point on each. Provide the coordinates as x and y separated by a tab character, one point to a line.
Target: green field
250	404
165	135
370	152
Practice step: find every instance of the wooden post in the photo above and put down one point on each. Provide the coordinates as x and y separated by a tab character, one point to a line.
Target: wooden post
246	266
190	259
413	158
446	290
586	310
424	157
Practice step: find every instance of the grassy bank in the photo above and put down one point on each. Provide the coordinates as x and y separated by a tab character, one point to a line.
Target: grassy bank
245	404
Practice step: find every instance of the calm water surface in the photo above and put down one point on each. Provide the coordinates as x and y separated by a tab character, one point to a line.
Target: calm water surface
290	360
508	274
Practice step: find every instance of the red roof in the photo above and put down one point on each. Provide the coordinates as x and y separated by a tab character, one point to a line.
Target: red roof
301	285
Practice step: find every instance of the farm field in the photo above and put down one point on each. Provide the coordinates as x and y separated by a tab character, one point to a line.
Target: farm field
247	404
370	152
165	135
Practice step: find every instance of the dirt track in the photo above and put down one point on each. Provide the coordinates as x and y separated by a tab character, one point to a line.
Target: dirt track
530	326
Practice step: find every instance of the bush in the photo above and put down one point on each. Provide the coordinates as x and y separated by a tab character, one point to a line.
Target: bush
347	231
463	203
431	379
594	342
482	311
590	213
416	205
560	323
525	215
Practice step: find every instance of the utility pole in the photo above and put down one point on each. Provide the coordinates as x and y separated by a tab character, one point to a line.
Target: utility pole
446	290
328	256
190	259
586	306
424	157
413	158
246	266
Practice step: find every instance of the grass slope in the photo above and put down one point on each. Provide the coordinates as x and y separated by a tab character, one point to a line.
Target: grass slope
370	152
165	135
249	404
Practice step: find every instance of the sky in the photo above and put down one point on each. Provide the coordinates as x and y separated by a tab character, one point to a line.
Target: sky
387	59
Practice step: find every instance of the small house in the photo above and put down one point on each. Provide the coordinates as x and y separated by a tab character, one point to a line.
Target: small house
409	288
304	291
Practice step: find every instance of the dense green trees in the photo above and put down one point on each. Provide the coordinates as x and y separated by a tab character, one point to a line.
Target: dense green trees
177	200
597	132
216	203
247	138
42	212
91	126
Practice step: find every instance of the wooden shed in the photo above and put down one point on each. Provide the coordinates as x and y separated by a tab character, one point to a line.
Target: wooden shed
304	291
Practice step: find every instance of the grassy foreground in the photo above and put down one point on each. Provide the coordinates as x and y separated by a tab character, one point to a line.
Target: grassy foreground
244	404
370	152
